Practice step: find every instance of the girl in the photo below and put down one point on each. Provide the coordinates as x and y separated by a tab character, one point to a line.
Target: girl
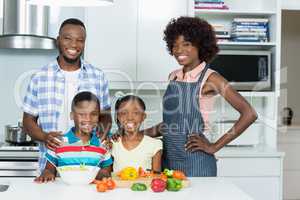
192	42
134	149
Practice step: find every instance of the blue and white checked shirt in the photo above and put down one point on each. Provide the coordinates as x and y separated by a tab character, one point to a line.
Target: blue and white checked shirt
45	95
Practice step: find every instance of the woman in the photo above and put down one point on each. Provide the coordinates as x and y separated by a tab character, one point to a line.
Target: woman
192	42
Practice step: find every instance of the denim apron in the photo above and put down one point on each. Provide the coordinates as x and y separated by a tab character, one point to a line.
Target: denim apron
181	117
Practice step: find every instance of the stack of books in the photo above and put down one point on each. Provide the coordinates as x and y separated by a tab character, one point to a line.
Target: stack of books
222	32
210	4
250	30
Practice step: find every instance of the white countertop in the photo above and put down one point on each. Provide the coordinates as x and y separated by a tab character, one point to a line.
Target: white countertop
201	188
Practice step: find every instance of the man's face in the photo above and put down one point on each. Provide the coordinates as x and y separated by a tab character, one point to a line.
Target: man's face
70	42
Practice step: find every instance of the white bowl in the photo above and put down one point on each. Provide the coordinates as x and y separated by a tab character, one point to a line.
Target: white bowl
77	175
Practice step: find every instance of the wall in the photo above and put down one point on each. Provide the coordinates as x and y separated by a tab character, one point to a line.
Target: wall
290	63
14	64
1	15
291	4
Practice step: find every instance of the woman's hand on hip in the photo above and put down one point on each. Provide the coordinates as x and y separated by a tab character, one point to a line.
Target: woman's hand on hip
196	142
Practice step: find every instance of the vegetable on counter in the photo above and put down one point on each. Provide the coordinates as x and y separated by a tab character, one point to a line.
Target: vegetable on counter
174	174
174	184
145	174
168	173
138	187
128	173
179	175
105	184
158	185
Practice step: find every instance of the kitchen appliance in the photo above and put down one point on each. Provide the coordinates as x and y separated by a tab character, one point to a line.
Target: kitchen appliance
18	161
25	26
245	70
14	134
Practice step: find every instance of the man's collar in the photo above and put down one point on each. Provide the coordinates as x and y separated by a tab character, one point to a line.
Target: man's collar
58	68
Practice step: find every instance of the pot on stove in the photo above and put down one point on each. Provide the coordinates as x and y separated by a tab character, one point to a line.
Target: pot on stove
14	134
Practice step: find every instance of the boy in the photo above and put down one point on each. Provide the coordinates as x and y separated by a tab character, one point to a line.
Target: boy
80	146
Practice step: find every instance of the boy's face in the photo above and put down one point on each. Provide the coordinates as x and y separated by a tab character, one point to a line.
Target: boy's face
86	116
184	52
131	115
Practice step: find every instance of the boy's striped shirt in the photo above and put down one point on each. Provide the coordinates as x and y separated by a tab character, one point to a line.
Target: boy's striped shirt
74	154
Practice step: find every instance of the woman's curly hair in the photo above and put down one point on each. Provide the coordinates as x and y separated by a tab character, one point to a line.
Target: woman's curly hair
195	30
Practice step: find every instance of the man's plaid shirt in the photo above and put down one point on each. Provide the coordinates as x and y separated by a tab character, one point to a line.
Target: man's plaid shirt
45	95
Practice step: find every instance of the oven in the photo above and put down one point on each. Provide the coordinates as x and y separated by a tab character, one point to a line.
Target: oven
18	161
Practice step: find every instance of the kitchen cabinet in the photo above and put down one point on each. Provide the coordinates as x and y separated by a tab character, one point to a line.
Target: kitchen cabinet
111	39
126	40
289	142
153	60
257	171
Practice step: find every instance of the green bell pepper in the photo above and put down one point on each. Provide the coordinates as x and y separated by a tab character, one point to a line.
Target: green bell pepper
138	187
174	184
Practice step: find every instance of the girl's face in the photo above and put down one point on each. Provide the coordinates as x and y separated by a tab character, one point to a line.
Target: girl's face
185	53
86	116
131	115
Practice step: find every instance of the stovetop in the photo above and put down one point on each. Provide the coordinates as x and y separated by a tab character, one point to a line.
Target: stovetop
19	148
4	146
8	152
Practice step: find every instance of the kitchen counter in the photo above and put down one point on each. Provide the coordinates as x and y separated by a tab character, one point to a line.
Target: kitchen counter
203	188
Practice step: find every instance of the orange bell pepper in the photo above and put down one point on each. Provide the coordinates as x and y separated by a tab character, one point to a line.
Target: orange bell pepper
179	175
141	172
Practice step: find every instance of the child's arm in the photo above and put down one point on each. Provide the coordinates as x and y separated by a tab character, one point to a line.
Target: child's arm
47	175
104	172
156	161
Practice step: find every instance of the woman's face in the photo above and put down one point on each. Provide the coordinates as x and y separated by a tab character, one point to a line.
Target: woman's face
185	53
131	115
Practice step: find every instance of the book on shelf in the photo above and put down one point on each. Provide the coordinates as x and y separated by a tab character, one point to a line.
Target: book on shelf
262	20
209	1
212	8
250	39
250	29
249	33
207	4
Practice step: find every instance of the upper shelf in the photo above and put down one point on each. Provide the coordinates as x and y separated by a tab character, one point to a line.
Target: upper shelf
235	12
246	45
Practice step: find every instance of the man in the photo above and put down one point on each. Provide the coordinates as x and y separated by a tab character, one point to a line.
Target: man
47	104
